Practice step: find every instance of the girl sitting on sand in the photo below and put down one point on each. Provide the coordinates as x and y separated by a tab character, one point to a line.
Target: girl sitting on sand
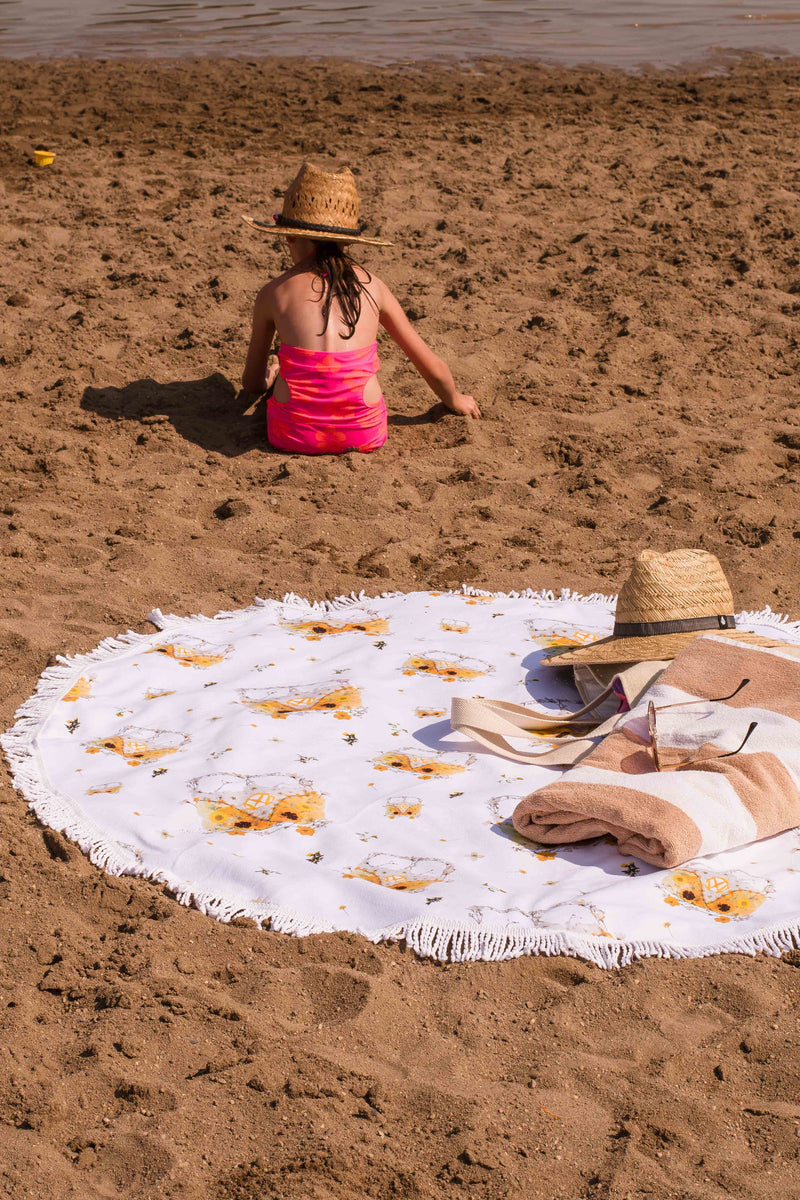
326	309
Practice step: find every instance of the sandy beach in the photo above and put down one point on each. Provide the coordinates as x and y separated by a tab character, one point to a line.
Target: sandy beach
611	265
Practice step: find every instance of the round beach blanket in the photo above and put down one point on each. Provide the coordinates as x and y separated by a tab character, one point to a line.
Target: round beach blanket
294	763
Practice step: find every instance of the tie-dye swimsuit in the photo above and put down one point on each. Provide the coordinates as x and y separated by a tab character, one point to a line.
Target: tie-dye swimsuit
326	412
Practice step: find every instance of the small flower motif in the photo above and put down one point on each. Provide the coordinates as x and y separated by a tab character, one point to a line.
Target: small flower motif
160	771
432	899
379	645
350	738
630	869
315	856
73	724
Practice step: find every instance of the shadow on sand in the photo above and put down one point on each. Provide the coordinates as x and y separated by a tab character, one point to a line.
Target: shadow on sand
209	412
433	414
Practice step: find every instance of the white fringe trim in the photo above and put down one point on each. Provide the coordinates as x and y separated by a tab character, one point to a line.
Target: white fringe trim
171	621
445	941
450	942
767	617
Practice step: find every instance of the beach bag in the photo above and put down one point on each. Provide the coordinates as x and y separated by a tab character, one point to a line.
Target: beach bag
492	722
590	681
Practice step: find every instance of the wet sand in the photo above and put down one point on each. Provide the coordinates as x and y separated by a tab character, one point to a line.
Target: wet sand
610	264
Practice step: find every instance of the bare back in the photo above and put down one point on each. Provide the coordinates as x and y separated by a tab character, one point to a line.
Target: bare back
291	306
295	301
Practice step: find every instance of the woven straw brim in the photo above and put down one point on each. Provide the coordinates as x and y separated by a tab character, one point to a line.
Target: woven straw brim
285	231
645	649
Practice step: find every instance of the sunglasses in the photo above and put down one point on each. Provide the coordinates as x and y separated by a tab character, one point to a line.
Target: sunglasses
653	731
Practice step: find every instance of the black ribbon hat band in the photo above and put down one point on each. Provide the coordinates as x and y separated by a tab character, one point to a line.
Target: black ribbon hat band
625	629
310	227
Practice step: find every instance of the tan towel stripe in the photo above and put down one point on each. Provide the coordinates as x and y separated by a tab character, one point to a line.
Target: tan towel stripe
764	786
773	680
619	751
759	779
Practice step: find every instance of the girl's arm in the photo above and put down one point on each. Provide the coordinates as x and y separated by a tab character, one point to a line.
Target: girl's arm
436	373
254	376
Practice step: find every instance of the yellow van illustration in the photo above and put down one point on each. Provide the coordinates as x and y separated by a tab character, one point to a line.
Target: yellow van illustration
336	696
403	806
549	638
446	666
238	804
192	652
313	631
429	765
139	746
80	690
727	897
399	873
579	916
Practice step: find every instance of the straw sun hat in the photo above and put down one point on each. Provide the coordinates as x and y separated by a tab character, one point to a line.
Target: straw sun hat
320	206
666	602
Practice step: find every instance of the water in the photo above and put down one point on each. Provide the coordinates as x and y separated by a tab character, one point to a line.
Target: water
624	33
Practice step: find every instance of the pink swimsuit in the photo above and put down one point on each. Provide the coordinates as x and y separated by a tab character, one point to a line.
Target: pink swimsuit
326	412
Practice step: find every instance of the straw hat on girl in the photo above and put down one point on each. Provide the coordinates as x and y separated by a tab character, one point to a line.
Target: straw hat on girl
320	206
665	603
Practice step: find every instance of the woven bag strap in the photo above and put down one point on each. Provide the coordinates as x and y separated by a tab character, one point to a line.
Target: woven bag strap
492	722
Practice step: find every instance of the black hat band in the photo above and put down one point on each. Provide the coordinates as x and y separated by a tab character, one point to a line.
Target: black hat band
687	625
309	227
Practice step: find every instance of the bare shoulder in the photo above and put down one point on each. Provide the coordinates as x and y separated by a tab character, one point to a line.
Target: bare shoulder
265	300
272	285
373	283
265	295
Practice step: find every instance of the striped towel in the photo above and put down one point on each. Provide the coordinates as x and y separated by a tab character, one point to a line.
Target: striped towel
668	817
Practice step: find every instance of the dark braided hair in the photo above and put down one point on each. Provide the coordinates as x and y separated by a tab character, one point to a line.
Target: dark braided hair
336	272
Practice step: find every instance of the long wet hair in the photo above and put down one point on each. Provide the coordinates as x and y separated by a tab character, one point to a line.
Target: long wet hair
336	271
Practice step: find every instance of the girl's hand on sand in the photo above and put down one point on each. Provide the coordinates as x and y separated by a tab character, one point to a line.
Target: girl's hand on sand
465	406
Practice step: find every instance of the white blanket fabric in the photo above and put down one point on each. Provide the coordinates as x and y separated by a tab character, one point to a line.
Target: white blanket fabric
294	763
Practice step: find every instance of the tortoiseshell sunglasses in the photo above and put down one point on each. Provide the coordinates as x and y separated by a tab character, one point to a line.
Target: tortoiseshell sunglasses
653	743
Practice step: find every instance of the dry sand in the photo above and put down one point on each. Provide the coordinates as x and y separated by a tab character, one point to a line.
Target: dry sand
612	266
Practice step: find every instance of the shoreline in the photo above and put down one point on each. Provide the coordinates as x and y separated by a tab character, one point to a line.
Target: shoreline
715	61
